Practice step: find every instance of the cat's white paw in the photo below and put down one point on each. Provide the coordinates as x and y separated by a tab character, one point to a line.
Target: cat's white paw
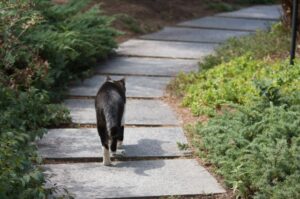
107	163
119	152
122	152
106	157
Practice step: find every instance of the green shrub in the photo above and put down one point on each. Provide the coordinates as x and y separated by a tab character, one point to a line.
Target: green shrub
254	143
256	146
256	149
261	45
232	74
71	39
236	82
229	82
52	43
43	46
22	116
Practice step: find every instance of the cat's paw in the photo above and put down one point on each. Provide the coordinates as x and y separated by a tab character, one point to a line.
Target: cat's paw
107	163
119	153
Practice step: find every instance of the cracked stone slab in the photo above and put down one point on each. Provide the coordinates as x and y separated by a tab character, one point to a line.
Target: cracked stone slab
133	179
138	112
179	50
229	23
136	86
147	66
138	142
273	12
194	35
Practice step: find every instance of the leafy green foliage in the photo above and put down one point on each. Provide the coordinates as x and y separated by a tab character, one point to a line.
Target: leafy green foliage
237	73
22	116
261	45
42	47
71	38
217	86
254	141
256	149
182	146
45	45
255	146
236	82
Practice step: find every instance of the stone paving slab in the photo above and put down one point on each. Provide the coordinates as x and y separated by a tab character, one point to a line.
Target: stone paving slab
179	50
134	179
147	66
138	112
136	86
229	23
138	142
194	35
273	12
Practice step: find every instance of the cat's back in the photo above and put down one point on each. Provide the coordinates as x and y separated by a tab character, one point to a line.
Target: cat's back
109	93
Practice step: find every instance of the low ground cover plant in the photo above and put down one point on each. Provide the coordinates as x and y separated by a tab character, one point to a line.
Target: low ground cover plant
42	47
236	82
240	61
252	96
256	149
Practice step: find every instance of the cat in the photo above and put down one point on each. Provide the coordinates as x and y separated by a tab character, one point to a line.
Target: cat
110	109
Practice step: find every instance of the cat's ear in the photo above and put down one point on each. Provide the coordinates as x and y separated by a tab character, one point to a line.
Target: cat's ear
123	80
108	78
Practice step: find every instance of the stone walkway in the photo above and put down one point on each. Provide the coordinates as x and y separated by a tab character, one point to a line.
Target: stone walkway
153	166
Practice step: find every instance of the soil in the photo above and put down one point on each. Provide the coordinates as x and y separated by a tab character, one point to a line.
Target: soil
138	17
186	118
145	16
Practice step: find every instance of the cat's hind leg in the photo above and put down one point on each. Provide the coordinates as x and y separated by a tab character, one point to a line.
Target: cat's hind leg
105	145
106	157
115	141
120	139
121	135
